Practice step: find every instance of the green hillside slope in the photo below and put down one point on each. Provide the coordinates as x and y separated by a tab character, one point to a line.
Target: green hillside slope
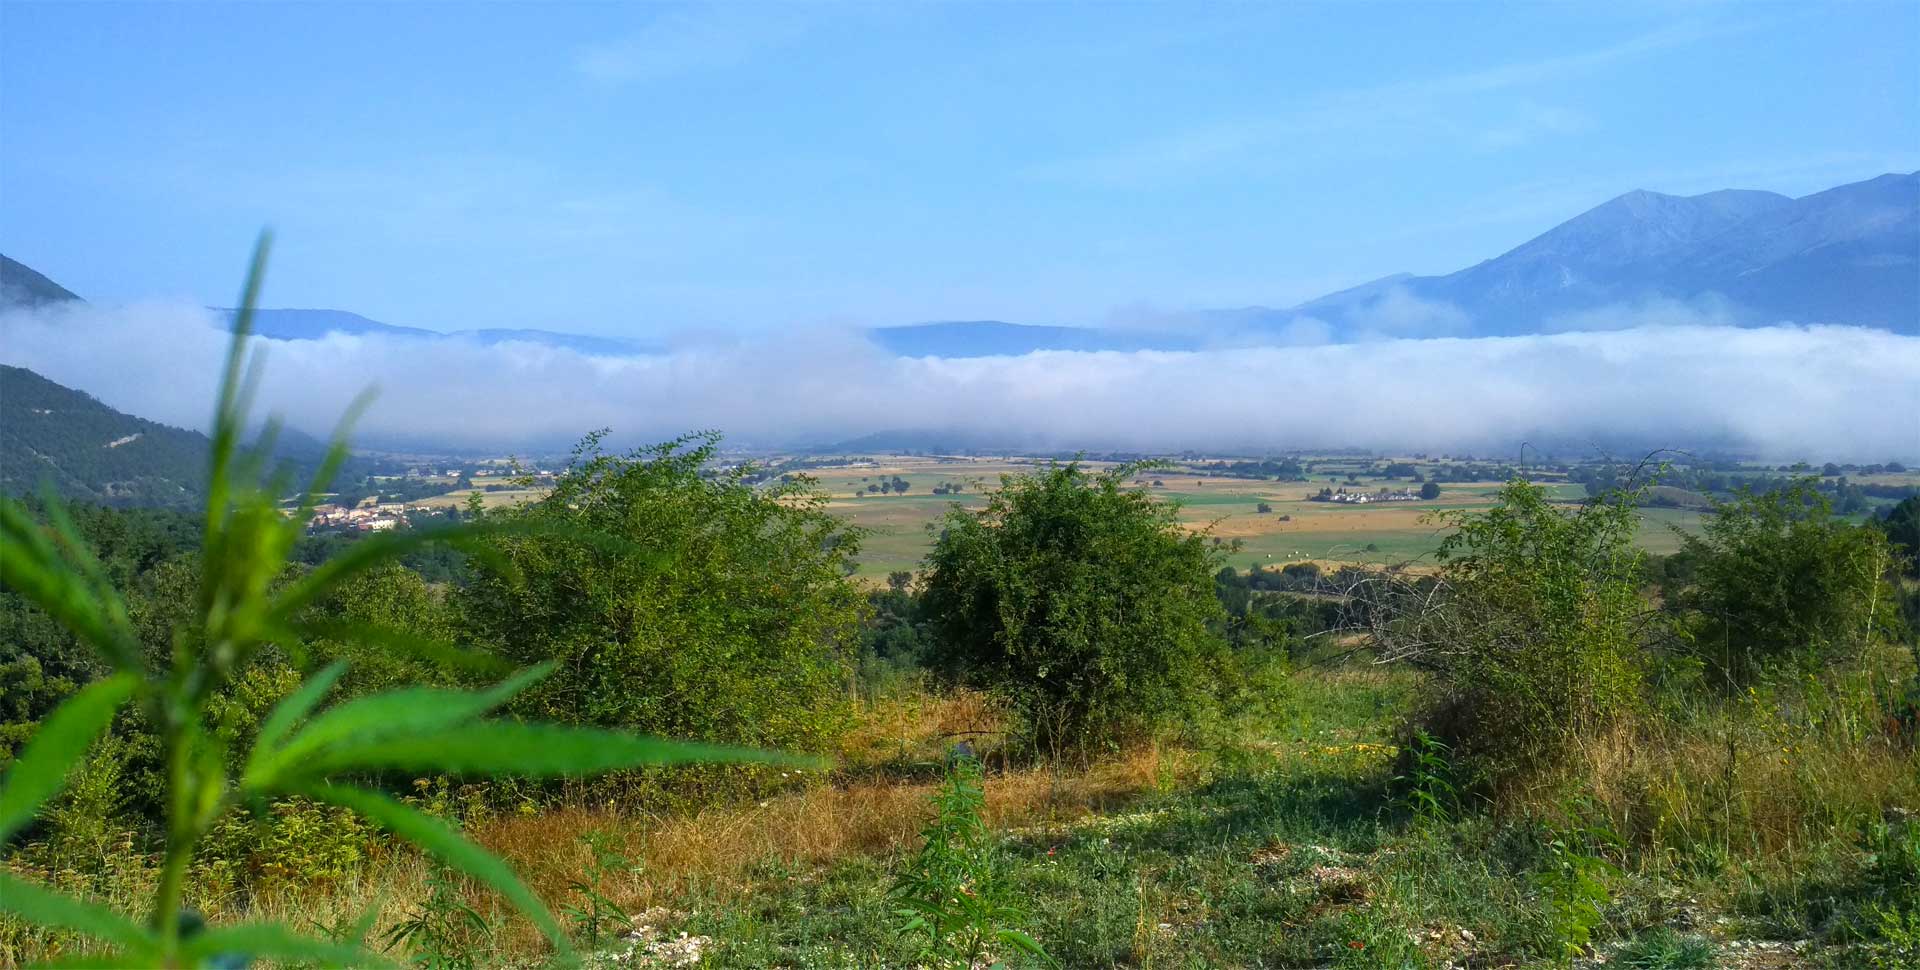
90	451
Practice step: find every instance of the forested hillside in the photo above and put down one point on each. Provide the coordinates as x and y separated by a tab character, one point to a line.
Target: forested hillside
22	285
88	450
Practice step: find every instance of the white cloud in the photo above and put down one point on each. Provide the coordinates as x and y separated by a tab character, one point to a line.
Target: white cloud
1399	313
1664	377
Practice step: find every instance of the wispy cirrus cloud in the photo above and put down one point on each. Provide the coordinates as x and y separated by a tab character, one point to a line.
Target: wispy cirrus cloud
688	39
1399	106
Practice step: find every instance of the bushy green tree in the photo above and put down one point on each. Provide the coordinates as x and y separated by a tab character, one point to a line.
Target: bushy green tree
1902	526
707	608
1780	583
1083	601
1539	641
400	601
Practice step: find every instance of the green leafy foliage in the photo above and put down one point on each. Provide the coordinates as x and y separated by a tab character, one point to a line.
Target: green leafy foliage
1782	585
1902	526
1083	601
443	932
243	607
675	601
951	895
1431	795
1576	884
595	916
1539	643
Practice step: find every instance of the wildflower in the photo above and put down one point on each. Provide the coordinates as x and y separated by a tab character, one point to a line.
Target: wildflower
1356	945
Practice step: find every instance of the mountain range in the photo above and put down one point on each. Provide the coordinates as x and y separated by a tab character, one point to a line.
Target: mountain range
294	324
1847	255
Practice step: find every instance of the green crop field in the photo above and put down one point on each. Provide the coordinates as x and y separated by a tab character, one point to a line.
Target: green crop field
900	527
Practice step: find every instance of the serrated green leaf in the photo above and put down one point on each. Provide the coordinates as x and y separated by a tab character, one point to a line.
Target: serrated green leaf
441	652
292	708
365	719
372	551
48	908
62	738
444	842
530	750
254	941
1027	943
31	565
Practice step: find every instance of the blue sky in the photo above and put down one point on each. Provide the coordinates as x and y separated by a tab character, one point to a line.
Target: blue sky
648	169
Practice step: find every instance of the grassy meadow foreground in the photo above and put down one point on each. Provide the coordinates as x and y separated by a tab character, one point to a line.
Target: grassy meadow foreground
1286	841
653	717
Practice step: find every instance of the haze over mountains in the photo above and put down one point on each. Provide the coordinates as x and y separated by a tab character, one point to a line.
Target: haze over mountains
1741	322
1848	255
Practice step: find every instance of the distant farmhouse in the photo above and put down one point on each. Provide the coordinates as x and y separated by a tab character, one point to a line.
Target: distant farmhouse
1345	497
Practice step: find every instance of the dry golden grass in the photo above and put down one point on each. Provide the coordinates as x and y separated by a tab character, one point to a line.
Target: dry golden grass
1769	795
1763	775
718	850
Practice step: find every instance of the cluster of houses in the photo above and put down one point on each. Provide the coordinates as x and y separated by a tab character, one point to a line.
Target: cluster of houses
366	517
1366	498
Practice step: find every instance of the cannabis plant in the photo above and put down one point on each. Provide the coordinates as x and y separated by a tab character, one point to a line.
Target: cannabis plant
250	601
951	895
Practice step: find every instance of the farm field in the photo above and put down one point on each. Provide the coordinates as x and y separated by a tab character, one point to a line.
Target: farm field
899	524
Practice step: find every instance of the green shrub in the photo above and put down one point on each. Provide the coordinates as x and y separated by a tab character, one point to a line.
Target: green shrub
675	601
1538	639
1781	584
1082	601
597	917
1893	937
290	842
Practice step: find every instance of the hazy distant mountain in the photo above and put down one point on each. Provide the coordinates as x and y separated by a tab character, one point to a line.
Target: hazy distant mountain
88	450
294	324
291	324
1847	255
21	285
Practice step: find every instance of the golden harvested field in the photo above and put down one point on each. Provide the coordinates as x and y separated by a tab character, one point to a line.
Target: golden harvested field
492	500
